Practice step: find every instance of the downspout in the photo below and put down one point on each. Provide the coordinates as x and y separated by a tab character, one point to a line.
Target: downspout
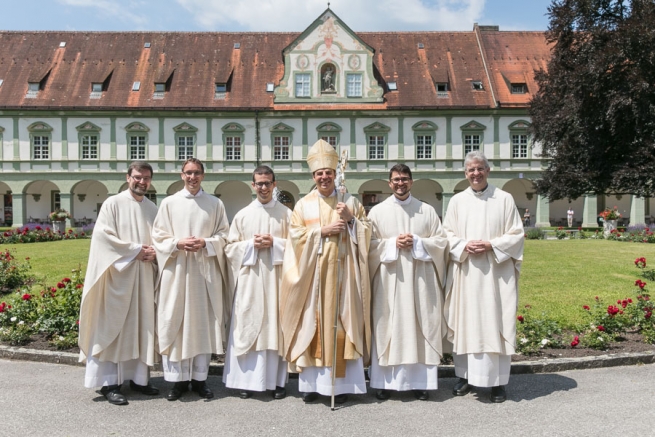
476	28
258	144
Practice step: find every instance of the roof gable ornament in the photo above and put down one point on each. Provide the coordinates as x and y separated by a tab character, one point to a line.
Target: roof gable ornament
281	127
39	126
425	126
137	127
473	125
185	127
88	126
233	127
377	127
320	63
519	124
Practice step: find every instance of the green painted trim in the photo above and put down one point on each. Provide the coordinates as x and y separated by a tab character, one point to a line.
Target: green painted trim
496	139
520	127
2	144
162	142
353	137
401	138
87	130
16	139
137	129
236	134
64	142
278	133
112	139
209	140
304	99
305	139
425	128
361	79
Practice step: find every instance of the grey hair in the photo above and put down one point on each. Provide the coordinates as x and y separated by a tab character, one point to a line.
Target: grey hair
476	156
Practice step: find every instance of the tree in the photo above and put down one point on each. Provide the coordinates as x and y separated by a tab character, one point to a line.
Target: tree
594	113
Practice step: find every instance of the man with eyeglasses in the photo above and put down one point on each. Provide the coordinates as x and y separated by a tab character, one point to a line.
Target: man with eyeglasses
117	315
486	250
407	263
193	305
255	251
323	222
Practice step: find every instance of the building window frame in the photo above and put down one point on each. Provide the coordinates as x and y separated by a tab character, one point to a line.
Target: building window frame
233	142
137	141
184	134
304	80
522	147
354	90
424	150
472	137
377	137
518	88
87	133
282	142
329	132
40	141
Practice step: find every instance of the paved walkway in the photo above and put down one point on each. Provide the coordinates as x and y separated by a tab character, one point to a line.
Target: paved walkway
41	399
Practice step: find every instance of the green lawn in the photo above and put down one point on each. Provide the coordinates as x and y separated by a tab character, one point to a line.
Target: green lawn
558	276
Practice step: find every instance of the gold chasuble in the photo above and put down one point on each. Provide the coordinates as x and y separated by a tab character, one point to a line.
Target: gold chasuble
309	285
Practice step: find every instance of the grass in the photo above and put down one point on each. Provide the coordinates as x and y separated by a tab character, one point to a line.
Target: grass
53	260
557	276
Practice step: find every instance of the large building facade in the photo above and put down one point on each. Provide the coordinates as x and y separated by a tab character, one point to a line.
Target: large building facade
77	107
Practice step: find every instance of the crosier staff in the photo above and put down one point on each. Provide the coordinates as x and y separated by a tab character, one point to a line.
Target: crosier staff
340	183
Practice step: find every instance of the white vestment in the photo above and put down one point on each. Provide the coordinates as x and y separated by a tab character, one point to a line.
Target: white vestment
192	297
407	290
117	314
254	355
482	289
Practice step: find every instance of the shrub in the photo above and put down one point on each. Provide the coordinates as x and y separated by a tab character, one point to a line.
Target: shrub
535	333
13	275
535	234
35	233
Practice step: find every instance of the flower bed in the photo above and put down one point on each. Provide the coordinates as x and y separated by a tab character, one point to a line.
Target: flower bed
34	233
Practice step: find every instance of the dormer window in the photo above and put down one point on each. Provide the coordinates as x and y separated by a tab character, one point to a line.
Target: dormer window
33	87
477	86
220	88
96	87
518	88
160	87
442	90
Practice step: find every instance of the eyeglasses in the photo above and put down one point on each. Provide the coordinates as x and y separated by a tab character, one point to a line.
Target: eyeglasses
473	170
192	173
399	180
141	178
263	184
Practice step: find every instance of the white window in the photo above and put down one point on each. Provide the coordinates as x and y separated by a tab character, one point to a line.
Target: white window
89	147
281	148
33	87
96	87
353	85
518	88
519	146
137	147
41	147
233	148
376	147
220	88
424	147
184	148
331	140
302	85
471	143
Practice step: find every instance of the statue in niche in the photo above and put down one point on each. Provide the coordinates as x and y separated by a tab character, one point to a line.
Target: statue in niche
328	79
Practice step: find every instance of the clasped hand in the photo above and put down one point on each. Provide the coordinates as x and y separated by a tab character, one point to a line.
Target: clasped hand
191	244
405	241
477	246
147	253
262	241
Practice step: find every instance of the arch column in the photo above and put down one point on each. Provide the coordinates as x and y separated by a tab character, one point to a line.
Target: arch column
66	200
159	197
542	215
637	211
445	201
589	211
18	210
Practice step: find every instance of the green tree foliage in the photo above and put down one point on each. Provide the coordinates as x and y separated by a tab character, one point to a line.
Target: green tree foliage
594	113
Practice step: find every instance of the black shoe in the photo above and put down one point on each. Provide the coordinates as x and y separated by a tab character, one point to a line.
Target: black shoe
421	395
177	390
201	388
309	397
245	394
113	394
147	389
462	388
382	394
341	399
498	394
280	392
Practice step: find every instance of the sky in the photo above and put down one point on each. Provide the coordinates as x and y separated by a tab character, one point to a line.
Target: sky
269	15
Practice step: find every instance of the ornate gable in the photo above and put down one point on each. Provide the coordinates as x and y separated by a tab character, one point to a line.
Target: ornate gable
328	63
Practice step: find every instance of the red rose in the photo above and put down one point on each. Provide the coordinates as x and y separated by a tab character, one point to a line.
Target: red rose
60	285
27	296
66	280
601	328
586	307
575	342
79	286
53	289
624	303
646	298
620	311
629	300
642	285
520	319
648	315
2	307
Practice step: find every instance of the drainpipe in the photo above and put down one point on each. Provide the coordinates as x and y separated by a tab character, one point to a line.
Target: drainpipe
258	140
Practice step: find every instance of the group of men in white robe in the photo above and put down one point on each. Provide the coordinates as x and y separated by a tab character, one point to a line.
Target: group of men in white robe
322	291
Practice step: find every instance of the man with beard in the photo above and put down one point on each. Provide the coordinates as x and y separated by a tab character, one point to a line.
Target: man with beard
314	274
189	236
117	314
407	263
255	251
486	250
